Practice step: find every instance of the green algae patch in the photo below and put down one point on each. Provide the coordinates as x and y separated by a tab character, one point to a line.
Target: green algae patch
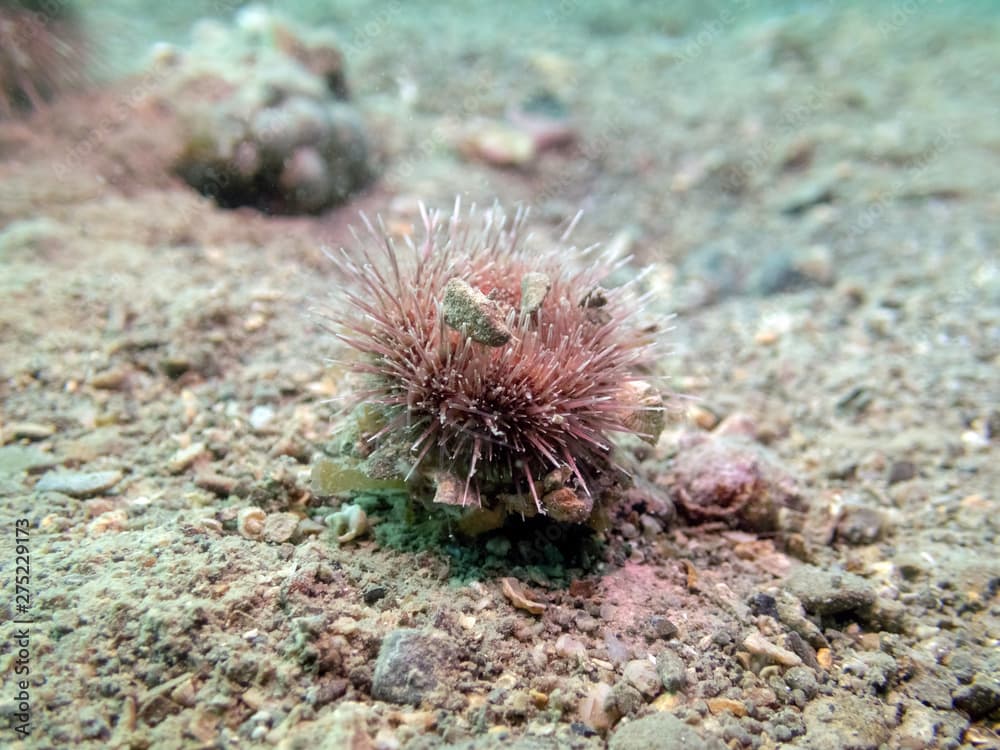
332	476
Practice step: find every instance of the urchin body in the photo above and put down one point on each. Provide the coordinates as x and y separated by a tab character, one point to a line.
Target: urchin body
502	371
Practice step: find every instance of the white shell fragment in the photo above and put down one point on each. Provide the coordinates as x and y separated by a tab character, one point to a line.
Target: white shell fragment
348	523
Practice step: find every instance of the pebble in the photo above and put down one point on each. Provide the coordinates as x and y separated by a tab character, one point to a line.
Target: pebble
663	627
499	145
829	592
671	670
279	527
29	431
16	459
184	457
901	471
859	524
726	705
846	721
662	731
410	665
979	699
261	417
594	710
109	380
642	675
758	645
703	417
79	484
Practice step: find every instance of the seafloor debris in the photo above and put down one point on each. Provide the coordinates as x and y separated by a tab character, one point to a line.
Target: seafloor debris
722	478
493	376
268	123
539	124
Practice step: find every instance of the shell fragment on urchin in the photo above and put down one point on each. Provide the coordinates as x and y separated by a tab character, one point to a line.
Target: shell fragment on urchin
494	361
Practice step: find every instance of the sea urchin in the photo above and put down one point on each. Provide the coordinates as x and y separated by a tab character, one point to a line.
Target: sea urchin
497	371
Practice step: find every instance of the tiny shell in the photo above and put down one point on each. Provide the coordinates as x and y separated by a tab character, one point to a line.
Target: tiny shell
512	590
348	523
250	522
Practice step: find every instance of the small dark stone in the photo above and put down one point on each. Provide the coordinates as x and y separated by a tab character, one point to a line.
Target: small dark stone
993	424
798	646
763	604
979	699
578	727
901	471
859	525
374	594
663	627
320	695
855	402
174	367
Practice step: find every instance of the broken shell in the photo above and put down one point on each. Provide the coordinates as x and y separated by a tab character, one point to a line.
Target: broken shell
348	523
499	145
250	522
512	590
646	414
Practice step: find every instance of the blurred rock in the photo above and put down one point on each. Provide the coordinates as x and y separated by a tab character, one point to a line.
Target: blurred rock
410	666
267	120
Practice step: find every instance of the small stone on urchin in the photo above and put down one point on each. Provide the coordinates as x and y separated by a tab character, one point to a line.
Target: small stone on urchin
534	287
468	310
